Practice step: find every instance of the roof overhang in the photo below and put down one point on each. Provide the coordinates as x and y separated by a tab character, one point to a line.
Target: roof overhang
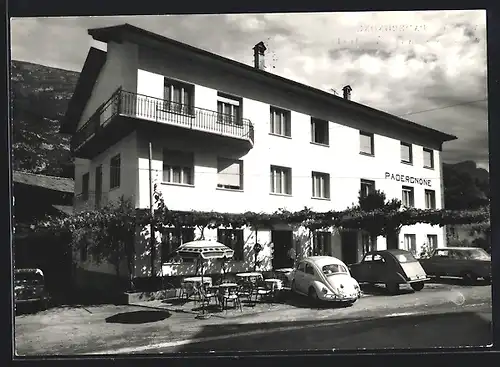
119	33
90	72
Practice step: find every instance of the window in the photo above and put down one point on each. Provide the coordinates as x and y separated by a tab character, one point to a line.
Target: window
430	199
406	153
301	267
114	172
428	158
229	109
322	242
309	269
367	188
280	122
368	258
408	196
230	174
366	145
366	243
179	97
98	186
320	185
232	238
171	239
178	167
410	243
281	180
378	258
85	186
432	241
319	131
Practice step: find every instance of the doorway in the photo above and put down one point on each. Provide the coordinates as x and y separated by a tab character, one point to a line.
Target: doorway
283	242
349	246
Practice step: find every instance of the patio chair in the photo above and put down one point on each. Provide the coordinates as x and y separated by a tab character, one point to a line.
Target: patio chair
263	290
246	290
210	293
230	294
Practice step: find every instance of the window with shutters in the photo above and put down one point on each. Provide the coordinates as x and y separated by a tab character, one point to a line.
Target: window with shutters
319	132
280	123
114	172
367	188
428	158
430	199
366	145
320	185
178	167
232	238
281	180
229	109
171	239
230	174
322	243
406	153
432	241
408	198
410	243
179	97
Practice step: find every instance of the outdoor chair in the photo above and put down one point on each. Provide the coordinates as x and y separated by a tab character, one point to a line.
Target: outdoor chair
187	290
229	294
263	290
246	290
210	293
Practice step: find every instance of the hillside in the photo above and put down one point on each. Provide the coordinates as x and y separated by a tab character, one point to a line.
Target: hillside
40	96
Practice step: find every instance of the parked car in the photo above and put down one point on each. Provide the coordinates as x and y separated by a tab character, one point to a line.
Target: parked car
392	268
29	288
325	278
469	263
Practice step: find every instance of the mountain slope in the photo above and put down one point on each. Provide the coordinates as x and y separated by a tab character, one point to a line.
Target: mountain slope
40	96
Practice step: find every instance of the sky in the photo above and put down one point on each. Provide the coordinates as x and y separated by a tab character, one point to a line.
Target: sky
428	67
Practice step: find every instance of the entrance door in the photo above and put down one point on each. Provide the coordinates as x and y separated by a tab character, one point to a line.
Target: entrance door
98	186
283	242
349	247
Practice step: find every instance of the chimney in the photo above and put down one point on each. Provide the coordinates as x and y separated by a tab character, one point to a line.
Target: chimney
347	92
258	55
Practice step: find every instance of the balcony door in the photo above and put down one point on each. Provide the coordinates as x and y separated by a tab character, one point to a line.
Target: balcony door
98	186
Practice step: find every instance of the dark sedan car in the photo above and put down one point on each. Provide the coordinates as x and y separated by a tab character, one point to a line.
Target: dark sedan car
469	263
390	267
29	288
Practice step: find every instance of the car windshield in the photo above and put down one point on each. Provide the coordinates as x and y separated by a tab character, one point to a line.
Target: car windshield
28	278
405	258
332	269
475	254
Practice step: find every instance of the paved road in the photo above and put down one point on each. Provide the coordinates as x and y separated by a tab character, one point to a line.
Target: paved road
98	330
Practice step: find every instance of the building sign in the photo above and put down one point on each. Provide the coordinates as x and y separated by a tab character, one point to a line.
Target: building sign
408	179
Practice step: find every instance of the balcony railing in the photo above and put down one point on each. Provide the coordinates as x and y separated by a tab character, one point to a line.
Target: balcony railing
168	112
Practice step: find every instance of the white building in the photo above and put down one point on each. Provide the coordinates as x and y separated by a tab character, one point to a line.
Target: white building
230	137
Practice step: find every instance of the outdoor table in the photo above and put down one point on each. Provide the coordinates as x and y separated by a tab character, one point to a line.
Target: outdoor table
277	284
197	280
227	285
249	276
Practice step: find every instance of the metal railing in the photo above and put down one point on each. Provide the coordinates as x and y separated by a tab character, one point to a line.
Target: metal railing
159	110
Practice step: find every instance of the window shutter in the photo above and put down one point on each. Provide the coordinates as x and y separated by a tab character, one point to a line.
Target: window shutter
229	172
177	158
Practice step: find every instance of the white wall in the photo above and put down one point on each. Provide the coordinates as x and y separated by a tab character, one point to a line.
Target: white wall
118	71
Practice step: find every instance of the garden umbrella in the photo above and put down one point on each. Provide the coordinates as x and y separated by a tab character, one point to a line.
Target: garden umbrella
204	250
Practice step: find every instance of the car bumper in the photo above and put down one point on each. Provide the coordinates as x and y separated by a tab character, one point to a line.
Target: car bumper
339	298
417	280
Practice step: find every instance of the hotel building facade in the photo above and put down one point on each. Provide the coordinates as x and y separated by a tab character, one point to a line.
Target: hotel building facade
214	134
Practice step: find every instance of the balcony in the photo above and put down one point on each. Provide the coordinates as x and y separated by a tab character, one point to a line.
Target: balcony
128	108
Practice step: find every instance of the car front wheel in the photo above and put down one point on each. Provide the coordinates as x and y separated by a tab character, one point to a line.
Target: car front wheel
392	288
469	278
418	286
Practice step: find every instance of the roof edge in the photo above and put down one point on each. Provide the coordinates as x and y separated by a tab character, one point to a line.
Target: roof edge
88	76
118	32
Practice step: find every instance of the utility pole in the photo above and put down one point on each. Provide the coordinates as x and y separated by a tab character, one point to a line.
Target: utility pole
152	231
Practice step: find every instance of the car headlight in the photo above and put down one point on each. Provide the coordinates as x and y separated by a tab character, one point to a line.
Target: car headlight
324	290
356	286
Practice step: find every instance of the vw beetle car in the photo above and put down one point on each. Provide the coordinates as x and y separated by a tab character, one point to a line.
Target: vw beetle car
325	278
392	268
29	288
468	263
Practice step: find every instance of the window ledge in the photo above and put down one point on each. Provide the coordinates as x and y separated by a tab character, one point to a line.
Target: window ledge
281	136
278	194
320	144
407	163
367	154
429	167
176	184
226	189
114	188
320	198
